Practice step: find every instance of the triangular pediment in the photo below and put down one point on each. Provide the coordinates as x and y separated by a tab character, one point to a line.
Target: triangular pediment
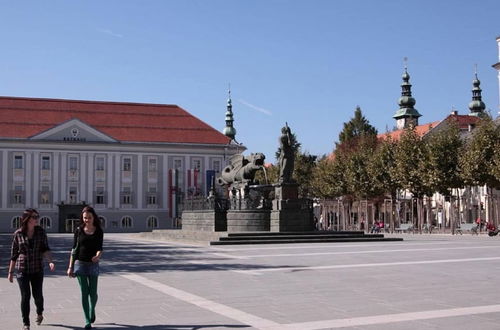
73	130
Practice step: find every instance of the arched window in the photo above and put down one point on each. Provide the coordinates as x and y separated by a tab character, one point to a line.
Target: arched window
45	223
127	222
103	221
152	222
16	222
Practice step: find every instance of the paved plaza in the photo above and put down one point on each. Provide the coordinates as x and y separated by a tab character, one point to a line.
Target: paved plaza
424	282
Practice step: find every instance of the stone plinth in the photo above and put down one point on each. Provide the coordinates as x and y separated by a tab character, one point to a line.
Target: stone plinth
204	220
290	213
247	220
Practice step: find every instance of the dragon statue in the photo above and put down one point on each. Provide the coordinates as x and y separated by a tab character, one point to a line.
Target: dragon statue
241	169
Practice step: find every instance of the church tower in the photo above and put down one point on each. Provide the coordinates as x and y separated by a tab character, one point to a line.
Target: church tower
407	115
477	105
497	66
229	130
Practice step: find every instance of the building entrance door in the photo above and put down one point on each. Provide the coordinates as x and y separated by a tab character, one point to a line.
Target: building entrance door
71	225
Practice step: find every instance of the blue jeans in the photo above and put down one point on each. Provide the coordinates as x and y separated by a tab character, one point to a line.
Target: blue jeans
28	283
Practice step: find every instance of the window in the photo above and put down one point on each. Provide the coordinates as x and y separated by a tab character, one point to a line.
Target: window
216	166
196	164
103	221
99	195
126	222
45	197
18	162
73	163
73	192
127	164
151	199
178	164
18	194
16	222
45	222
126	196
152	222
152	164
99	164
45	163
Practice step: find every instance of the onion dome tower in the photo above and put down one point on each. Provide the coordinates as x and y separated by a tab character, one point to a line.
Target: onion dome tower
407	115
477	105
229	130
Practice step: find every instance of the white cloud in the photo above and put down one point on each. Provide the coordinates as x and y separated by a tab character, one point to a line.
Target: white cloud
254	107
111	33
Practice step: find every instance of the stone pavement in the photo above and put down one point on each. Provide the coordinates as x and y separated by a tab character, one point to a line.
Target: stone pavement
424	282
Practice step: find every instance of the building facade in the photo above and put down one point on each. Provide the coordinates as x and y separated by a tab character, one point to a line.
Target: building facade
133	162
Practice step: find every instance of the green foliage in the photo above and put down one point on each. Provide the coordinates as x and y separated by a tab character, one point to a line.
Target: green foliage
442	168
271	172
478	161
303	173
381	168
410	164
357	127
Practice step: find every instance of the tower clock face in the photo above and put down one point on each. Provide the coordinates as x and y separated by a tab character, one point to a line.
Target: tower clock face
75	132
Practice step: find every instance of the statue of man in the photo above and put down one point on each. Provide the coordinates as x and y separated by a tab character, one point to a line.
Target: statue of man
287	155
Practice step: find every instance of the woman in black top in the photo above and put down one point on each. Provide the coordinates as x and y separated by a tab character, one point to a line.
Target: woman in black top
84	260
29	247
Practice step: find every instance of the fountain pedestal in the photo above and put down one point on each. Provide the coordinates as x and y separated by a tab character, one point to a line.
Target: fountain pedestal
289	213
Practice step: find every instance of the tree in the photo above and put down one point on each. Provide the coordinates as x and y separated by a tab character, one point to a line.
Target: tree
478	159
357	127
303	173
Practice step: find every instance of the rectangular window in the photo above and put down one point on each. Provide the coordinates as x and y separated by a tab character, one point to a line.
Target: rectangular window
126	195
18	194
216	166
152	164
44	197
99	195
196	164
18	162
73	194
127	164
45	163
99	164
178	164
73	163
152	199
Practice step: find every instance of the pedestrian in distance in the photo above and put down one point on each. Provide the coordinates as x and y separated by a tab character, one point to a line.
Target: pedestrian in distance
84	260
30	247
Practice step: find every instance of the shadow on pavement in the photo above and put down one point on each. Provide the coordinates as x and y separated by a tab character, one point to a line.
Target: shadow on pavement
116	326
133	257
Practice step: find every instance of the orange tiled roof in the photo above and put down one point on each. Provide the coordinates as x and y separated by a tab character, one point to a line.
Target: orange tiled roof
126	122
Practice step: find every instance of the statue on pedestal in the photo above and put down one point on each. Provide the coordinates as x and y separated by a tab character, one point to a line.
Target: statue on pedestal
287	155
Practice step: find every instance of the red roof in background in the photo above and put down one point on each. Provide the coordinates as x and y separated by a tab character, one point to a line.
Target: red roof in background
127	122
421	130
463	122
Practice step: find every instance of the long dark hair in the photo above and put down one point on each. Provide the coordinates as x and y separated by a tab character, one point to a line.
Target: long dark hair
90	209
27	214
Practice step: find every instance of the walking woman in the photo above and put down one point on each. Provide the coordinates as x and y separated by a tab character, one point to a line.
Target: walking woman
84	260
29	247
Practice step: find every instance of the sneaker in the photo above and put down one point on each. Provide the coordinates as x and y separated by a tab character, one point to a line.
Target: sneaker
39	319
87	326
26	327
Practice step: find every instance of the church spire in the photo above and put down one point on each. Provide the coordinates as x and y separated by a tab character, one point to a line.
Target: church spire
229	130
477	105
406	115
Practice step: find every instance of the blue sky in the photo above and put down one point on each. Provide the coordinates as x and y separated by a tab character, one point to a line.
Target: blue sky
305	62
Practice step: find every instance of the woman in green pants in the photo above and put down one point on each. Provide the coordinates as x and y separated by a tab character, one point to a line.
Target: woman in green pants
84	260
